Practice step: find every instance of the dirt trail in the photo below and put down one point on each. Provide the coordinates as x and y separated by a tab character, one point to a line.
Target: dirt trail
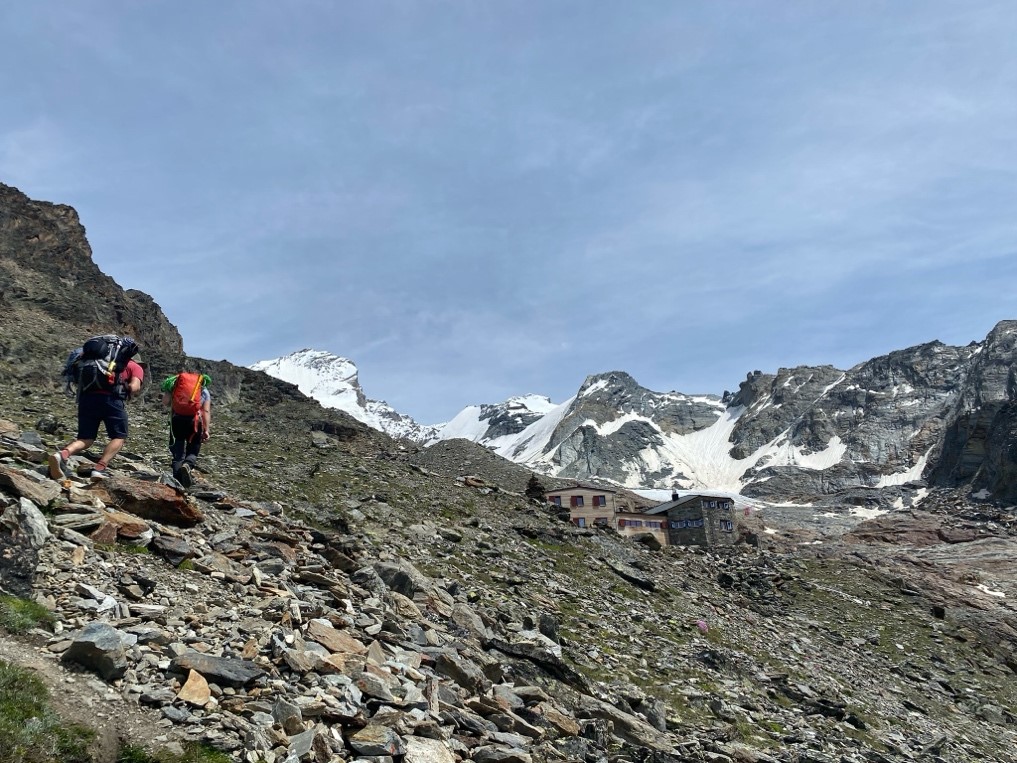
83	698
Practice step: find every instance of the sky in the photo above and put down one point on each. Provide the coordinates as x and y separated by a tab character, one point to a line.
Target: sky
473	199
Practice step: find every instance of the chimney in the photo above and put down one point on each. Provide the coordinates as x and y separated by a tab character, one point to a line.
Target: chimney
674	495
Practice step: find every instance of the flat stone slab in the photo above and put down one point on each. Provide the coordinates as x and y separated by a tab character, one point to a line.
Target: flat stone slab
225	671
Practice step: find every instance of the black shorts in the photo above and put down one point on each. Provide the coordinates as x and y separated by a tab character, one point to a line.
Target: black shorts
95	409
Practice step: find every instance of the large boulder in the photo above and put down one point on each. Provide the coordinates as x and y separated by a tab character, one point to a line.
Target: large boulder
149	500
100	648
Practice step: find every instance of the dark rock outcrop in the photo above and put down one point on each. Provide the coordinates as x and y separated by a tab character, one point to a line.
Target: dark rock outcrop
53	296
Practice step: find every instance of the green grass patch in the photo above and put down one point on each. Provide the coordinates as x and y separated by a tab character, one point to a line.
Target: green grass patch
193	753
122	548
745	731
21	615
714	635
30	732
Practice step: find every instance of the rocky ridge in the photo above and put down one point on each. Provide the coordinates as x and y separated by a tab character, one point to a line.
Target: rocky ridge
933	412
47	275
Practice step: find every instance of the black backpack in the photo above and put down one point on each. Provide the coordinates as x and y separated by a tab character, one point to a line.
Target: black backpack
96	365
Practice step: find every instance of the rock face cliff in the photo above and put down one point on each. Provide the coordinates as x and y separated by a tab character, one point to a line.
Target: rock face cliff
52	293
978	445
878	422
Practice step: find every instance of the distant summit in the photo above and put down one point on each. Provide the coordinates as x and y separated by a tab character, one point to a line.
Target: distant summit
333	381
930	415
492	424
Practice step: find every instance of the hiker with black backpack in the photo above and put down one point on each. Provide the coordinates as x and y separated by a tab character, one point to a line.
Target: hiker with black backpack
106	374
186	393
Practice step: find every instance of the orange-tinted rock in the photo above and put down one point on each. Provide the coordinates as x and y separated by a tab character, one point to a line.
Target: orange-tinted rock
195	691
149	500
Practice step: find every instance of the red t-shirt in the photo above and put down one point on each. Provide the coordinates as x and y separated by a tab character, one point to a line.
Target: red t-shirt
132	371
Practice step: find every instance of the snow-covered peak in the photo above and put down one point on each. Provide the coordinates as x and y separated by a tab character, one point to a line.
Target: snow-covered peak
333	381
489	423
328	378
532	403
806	430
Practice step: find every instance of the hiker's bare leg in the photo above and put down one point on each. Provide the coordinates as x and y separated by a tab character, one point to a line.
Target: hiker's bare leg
112	448
79	445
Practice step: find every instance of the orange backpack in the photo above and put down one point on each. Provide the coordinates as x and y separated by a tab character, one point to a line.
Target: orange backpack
187	394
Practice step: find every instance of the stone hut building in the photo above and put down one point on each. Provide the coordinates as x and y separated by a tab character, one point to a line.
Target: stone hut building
698	519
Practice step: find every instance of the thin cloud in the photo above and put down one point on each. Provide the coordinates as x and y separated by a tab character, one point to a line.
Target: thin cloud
497	199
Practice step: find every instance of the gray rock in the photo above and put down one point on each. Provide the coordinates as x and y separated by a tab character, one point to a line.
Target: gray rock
466	617
375	739
402	577
174	550
226	671
421	750
289	716
464	672
300	746
498	754
157	696
100	648
177	714
23	517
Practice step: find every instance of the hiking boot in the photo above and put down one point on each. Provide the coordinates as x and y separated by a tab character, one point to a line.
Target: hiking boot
184	475
58	467
100	473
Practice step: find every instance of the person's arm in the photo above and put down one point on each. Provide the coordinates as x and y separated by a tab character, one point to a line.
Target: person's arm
205	414
133	386
135	375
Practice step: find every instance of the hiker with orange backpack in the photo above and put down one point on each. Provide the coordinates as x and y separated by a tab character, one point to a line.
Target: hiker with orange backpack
186	393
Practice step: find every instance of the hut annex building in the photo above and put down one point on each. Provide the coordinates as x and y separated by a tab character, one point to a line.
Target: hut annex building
697	519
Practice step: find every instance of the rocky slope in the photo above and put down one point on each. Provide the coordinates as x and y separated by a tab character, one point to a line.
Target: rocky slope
436	618
327	593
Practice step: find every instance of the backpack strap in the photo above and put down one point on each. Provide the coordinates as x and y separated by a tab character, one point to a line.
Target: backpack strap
196	390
